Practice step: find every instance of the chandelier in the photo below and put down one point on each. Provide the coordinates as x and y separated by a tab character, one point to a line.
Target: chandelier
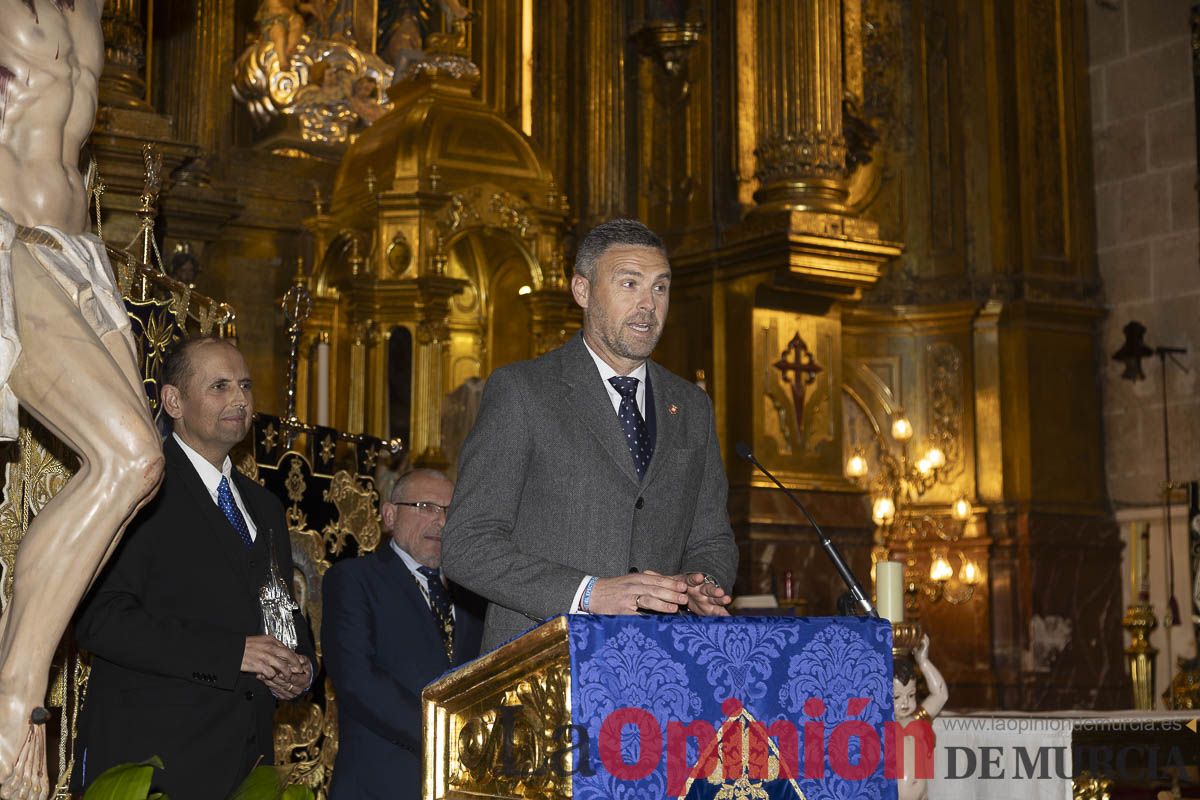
896	483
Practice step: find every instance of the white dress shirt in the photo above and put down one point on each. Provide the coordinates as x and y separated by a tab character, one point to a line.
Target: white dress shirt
607	372
210	476
422	581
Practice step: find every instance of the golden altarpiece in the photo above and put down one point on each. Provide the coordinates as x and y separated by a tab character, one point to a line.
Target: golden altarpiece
876	210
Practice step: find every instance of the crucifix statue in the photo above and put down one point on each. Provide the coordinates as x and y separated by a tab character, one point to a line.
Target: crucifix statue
67	356
800	371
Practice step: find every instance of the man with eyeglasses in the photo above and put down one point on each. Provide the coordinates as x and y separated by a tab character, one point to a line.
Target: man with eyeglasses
391	625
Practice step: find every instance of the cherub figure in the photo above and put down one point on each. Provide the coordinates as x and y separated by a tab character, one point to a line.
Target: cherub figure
904	687
364	99
282	23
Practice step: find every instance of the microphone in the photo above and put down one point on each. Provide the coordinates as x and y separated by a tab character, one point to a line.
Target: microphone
856	590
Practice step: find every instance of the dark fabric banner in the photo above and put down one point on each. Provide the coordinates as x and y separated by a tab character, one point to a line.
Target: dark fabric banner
731	708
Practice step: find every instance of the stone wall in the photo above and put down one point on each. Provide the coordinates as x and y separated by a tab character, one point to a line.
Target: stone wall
1144	124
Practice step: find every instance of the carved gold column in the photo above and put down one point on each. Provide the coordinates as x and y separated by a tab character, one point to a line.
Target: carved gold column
356	413
377	381
496	39
602	155
123	82
550	104
801	151
672	114
429	366
198	67
125	120
193	210
792	263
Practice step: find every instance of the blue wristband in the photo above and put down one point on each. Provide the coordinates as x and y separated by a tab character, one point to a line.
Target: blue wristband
586	601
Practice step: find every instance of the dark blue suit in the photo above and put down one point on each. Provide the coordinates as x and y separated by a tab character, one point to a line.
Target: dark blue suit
381	647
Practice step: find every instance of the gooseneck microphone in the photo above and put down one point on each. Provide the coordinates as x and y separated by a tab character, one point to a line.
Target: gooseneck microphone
856	590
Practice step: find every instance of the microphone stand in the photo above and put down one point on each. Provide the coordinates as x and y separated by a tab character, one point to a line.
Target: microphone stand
852	584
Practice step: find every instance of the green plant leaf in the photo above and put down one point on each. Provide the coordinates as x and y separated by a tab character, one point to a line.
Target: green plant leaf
124	781
263	783
270	783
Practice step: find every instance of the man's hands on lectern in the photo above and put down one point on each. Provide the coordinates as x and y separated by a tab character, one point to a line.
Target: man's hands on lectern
705	598
638	591
286	673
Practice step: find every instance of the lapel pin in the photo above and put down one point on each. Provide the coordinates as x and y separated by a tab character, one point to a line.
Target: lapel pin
673	409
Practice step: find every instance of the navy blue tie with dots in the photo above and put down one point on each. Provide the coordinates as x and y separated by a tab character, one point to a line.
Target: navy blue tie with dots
231	511
636	435
442	607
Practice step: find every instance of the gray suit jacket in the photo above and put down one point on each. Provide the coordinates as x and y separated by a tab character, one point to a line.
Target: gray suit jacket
547	492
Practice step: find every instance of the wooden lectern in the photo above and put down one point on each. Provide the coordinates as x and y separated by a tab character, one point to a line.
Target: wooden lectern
466	730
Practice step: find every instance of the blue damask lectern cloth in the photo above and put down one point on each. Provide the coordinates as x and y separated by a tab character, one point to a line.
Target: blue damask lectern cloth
637	682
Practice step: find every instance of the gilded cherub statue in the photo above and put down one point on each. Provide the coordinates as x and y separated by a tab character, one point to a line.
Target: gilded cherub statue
282	23
305	64
66	356
910	785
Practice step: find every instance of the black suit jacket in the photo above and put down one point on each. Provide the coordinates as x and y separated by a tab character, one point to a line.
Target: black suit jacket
166	625
381	647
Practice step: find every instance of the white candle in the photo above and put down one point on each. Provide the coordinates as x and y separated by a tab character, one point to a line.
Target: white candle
1141	561
322	383
889	590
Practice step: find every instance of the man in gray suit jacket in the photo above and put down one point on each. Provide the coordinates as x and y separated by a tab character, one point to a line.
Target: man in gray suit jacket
592	481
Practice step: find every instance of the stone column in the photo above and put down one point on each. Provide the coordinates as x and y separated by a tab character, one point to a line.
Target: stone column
801	151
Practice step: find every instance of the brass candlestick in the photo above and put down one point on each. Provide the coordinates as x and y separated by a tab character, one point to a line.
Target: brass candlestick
905	637
1140	621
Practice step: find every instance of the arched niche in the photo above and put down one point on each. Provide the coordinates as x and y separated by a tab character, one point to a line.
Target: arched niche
490	321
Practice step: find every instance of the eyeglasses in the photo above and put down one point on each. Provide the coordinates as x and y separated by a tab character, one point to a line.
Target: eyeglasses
425	506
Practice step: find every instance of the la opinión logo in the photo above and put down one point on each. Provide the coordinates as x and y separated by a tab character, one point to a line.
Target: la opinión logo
852	748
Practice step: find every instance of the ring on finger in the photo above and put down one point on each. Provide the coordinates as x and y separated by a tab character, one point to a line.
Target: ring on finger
637	601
